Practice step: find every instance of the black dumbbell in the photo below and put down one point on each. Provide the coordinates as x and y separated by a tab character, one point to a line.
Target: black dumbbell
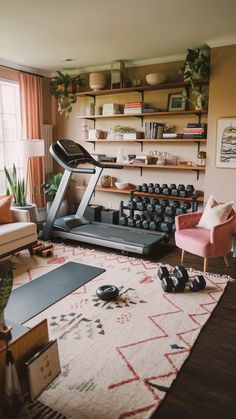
154	225
166	227
140	205
170	219
159	218
166	191
151	188
146	222
175	192
123	220
166	281
131	221
139	222
132	205
186	205
180	271
151	207
160	209
198	283
181	187
139	188
170	210
158	189
176	204
180	211
144	187
190	189
165	203
172	186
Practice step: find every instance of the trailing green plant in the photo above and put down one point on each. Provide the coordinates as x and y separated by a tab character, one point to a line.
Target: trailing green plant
17	187
121	129
196	69
60	89
52	183
6	281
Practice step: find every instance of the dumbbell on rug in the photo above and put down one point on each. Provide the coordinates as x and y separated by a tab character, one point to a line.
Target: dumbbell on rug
179	280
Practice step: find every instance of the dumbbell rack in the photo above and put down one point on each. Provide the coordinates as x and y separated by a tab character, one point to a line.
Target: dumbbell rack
124	219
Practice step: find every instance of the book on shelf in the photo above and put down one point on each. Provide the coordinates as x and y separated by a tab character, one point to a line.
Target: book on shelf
193	130
196	125
197	136
172	135
134	104
137	110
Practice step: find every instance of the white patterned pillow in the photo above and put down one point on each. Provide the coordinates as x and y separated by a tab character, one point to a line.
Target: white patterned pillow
214	213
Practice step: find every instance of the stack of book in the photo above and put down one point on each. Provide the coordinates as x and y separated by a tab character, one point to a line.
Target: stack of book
172	135
153	130
134	107
195	130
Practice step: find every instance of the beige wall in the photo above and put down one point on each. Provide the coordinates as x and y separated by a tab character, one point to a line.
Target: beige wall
220	181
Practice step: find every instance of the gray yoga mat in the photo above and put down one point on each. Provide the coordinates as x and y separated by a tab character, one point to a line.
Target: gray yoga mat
30	299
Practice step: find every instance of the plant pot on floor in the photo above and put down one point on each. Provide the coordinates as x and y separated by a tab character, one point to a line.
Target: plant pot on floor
32	210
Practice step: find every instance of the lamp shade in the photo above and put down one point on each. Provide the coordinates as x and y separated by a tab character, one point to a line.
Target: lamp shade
31	148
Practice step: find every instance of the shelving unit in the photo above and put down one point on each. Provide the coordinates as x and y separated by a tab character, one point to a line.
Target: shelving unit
143	116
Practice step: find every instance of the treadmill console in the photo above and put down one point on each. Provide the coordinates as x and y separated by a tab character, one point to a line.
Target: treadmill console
72	149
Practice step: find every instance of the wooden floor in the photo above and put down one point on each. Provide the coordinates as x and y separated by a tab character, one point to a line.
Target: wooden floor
206	385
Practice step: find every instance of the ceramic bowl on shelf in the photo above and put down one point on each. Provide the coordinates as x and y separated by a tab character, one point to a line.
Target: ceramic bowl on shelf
153	79
121	185
97	81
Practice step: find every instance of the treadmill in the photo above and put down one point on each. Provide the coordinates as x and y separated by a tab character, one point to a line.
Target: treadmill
72	157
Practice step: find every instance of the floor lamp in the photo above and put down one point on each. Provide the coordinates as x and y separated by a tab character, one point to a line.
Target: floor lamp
28	150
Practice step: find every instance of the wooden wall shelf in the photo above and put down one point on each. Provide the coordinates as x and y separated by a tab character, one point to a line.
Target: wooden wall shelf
127	191
141	115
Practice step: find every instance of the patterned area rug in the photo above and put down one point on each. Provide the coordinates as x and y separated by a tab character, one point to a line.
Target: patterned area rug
118	358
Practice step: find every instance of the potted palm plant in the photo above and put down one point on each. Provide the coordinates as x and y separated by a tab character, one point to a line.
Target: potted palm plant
195	70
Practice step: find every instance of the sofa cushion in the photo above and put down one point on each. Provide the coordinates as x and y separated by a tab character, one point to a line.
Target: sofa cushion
16	231
5	212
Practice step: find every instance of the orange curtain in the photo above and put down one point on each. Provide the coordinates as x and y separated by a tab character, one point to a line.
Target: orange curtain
32	123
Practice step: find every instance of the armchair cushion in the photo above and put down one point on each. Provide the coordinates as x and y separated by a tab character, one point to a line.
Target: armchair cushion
214	213
5	211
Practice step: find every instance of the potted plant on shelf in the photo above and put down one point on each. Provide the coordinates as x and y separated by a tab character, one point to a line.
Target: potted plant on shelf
60	89
17	188
195	70
124	133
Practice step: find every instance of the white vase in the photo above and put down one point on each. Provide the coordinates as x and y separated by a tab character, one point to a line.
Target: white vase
120	156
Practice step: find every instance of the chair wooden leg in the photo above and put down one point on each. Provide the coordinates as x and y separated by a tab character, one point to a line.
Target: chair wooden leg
182	257
226	261
205	265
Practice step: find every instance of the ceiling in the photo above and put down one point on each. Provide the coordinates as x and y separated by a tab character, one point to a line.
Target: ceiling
41	35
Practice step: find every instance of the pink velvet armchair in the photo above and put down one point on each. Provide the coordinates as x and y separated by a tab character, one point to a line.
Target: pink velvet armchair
202	242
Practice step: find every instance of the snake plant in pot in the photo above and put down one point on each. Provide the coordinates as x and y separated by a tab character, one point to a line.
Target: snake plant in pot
195	70
17	188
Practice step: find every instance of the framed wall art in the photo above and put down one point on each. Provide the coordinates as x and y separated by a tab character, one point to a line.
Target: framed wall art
226	143
176	102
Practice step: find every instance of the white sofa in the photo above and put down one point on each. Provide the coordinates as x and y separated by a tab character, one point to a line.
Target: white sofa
18	235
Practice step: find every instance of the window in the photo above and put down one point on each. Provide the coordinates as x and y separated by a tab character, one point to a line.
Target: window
10	126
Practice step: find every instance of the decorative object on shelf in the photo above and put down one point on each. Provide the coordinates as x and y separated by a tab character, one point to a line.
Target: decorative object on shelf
121	185
153	79
195	69
226	143
176	102
106	181
121	131
120	156
111	109
201	158
117	74
59	88
98	110
95	134
137	81
97	81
